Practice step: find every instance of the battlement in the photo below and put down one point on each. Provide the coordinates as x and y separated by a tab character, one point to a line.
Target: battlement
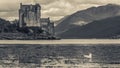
30	7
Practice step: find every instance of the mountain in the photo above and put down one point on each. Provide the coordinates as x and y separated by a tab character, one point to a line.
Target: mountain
3	21
88	15
59	21
4	24
106	28
7	26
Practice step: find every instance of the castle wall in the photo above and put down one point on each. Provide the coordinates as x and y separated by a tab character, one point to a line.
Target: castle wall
51	29
29	15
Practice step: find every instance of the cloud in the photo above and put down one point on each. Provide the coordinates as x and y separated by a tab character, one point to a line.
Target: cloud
9	15
63	7
51	8
60	9
45	2
99	2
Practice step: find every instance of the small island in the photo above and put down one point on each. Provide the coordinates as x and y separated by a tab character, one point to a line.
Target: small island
30	25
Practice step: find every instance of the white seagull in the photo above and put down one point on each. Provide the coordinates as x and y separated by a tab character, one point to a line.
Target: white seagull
89	56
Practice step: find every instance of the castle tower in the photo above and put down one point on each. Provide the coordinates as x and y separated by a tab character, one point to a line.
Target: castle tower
29	15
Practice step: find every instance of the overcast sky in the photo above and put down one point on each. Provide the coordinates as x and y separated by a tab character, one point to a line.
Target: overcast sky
55	9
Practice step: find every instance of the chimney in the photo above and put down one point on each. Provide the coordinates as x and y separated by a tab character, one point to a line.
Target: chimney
20	5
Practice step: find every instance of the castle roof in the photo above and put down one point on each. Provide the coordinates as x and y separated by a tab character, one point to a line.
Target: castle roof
29	5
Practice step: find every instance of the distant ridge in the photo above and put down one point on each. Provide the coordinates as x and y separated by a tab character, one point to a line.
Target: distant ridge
105	29
4	25
87	16
3	21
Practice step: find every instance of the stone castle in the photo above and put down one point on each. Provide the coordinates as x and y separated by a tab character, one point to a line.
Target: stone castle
30	17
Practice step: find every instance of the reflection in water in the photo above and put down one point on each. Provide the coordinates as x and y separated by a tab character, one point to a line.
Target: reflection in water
59	56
